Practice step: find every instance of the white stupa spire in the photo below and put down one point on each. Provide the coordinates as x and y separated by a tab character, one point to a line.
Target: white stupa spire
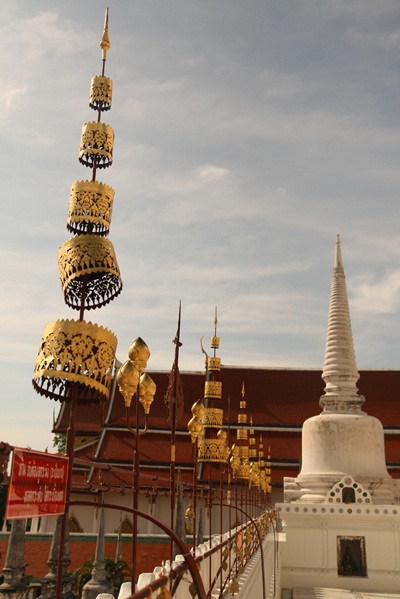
342	441
340	371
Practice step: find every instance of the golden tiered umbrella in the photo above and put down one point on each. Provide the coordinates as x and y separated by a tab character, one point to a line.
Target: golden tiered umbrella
76	358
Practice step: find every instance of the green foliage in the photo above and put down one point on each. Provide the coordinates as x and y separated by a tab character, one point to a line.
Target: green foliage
116	572
59	442
82	575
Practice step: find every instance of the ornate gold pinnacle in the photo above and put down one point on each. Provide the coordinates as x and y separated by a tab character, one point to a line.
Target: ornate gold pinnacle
128	380
241	463
234	459
76	358
105	42
211	449
195	424
139	353
130	377
147	391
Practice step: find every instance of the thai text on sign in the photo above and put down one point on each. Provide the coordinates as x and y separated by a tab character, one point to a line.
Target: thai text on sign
37	485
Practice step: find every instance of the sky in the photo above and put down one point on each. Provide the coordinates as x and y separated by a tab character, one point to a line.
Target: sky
248	133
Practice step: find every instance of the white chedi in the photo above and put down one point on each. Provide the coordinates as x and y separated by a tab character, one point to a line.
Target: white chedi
342	440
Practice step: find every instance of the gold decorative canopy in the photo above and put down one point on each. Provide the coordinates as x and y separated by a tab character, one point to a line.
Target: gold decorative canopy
97	144
75	352
89	273
100	93
76	358
211	449
90	207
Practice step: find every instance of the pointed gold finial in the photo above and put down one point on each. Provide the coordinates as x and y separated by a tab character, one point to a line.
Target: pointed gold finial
243	401
215	339
105	42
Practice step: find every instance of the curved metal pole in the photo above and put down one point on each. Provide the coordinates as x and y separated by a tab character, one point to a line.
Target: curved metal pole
187	555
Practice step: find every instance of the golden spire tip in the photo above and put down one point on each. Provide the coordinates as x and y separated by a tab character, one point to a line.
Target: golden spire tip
105	42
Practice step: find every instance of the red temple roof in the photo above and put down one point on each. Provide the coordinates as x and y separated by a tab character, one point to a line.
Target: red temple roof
278	399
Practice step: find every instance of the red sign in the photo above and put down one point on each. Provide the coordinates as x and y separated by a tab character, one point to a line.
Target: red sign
37	486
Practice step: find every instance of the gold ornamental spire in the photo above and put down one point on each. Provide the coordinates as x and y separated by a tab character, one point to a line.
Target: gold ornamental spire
242	414
213	449
268	471
253	457
252	442
263	483
241	465
213	387
76	358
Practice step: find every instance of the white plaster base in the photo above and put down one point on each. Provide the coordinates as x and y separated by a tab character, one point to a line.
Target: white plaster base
335	445
309	556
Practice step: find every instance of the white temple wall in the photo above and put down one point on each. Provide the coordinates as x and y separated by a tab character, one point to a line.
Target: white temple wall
87	518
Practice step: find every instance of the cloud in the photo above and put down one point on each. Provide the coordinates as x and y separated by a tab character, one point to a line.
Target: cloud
377	296
10	95
210	172
367	10
46	29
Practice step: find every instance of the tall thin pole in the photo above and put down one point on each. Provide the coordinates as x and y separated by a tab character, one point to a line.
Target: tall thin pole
194	495
70	442
210	521
173	427
221	501
136	482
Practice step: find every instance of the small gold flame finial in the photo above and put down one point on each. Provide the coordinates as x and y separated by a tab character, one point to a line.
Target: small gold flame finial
216	319
105	42
243	392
